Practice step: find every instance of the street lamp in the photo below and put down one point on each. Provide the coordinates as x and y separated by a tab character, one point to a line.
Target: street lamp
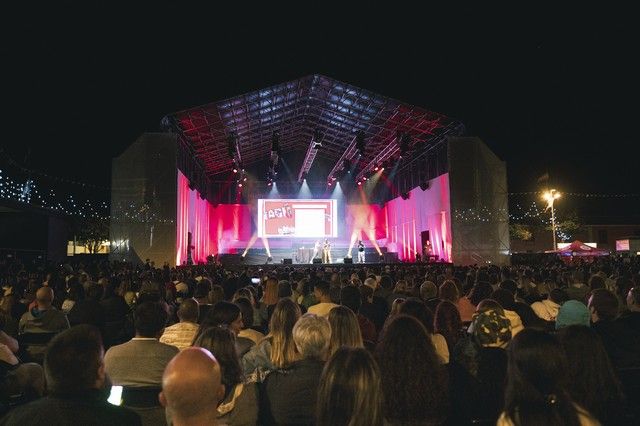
550	196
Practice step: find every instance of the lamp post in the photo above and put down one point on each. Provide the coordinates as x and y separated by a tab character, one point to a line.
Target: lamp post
550	196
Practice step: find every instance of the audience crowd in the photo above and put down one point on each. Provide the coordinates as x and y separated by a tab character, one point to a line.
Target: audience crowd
403	344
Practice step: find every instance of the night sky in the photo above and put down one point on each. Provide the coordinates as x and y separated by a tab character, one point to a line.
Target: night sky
548	90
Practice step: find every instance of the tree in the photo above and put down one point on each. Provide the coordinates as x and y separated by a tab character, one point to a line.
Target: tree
91	232
520	232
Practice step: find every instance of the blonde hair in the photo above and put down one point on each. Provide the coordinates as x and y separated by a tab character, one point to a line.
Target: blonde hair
270	296
284	317
350	390
345	330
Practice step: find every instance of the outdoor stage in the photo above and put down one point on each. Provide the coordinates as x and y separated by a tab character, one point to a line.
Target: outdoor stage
252	176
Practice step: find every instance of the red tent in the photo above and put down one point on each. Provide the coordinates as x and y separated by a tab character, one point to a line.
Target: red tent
578	248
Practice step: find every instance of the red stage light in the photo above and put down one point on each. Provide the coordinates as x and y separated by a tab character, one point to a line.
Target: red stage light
359	183
240	185
235	170
376	168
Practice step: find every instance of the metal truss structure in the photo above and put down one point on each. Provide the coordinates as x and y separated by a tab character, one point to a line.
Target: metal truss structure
299	111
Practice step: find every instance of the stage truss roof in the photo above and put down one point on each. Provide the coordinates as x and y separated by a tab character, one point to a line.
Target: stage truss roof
297	109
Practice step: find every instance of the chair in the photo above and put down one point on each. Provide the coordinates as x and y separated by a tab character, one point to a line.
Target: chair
144	401
33	346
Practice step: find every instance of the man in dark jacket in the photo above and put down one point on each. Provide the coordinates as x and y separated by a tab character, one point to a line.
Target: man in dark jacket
289	396
78	385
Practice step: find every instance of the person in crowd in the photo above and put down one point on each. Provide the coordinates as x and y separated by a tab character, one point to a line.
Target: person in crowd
506	299
89	310
573	312
418	309
192	369
620	342
290	395
449	291
182	334
229	315
248	332
321	290
598	391
277	349
429	294
414	382
75	293
631	317
350	391
239	404
480	291
345	330
43	318
478	373
269	300
141	361
78	386
577	289
351	298
307	297
201	295
116	311
447	323
535	392
373	307
547	309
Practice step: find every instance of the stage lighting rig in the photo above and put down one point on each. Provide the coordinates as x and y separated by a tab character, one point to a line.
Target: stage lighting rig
346	165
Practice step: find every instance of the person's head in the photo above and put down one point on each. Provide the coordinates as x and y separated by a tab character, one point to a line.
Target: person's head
510	286
536	373
351	298
447	321
345	329
73	362
558	296
311	335
284	289
284	317
633	299
573	312
192	368
505	298
479	292
417	309
449	291
247	311
44	297
203	287
371	283
592	381
428	290
188	311
216	294
322	291
490	328
270	296
223	314
401	287
350	390
488	304
596	281
603	305
413	380
221	342
150	319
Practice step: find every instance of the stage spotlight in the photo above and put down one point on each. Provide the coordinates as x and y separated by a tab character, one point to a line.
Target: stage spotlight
235	170
333	178
245	179
376	168
359	183
240	185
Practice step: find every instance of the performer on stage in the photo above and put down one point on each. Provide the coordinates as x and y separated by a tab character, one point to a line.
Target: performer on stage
360	251
427	250
316	250
326	252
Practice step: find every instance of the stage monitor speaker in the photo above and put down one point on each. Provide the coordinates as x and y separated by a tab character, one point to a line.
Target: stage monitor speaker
316	260
348	260
287	261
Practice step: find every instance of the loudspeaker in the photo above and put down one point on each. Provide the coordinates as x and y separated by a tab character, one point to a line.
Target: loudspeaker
287	261
348	260
317	260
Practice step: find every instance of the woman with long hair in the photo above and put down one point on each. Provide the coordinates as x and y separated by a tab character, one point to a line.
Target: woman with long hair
419	310
345	330
240	404
350	392
535	392
227	315
414	381
277	349
592	381
448	323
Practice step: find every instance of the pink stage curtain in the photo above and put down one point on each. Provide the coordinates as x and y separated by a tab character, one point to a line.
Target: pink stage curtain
423	211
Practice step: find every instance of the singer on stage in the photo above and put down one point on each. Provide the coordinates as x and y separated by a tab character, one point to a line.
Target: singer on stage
326	252
360	251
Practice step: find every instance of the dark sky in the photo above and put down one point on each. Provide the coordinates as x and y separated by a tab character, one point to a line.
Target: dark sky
548	90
